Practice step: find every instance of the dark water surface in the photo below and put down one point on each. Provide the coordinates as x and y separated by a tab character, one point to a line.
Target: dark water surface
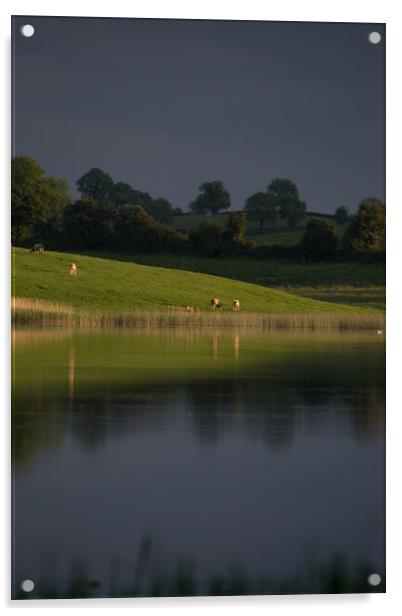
153	463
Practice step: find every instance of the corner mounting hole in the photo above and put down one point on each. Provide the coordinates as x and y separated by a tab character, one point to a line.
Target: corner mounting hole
374	579
27	585
374	38
27	30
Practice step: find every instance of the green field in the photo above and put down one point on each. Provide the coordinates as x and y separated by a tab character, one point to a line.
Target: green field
285	237
281	238
189	220
358	284
279	234
112	284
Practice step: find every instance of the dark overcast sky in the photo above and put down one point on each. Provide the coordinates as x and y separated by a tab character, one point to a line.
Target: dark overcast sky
165	105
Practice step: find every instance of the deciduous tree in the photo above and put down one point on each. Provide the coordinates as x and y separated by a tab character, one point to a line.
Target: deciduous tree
36	200
121	194
213	198
342	215
96	184
206	239
161	209
284	195
87	224
236	226
261	208
367	229
319	241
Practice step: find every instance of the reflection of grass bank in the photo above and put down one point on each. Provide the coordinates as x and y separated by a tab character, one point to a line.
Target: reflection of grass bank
61	369
27	311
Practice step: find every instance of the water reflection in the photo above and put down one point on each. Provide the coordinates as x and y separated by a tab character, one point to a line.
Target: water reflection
236	345
269	414
71	372
148	576
230	448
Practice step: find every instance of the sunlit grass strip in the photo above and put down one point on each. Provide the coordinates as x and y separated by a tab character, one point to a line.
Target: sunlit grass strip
26	311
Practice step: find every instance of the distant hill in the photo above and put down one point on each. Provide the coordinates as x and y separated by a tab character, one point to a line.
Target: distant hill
187	221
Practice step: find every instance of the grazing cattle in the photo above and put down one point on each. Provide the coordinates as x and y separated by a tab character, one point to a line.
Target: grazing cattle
215	304
236	305
38	249
73	269
191	308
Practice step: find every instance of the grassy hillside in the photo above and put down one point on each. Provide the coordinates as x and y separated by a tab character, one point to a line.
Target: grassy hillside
358	284
118	285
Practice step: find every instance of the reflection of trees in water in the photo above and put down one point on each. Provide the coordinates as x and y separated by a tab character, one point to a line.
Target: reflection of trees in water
360	411
93	419
369	416
33	432
41	421
71	373
263	408
271	399
151	576
275	413
226	406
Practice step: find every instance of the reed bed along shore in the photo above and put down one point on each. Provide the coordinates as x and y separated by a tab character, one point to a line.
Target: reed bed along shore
34	312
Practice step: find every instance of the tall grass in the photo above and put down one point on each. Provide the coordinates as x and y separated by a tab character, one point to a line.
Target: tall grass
30	312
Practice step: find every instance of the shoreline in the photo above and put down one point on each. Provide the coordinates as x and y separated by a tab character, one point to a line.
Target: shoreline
41	313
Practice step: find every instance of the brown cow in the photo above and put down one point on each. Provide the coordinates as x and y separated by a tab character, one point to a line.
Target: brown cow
236	305
73	269
215	304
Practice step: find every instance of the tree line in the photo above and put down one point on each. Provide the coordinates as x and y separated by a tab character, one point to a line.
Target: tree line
364	233
107	216
114	216
280	200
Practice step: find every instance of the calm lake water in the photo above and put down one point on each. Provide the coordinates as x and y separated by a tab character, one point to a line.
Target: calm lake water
186	462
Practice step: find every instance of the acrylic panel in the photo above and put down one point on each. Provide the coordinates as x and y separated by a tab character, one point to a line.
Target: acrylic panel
198	316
